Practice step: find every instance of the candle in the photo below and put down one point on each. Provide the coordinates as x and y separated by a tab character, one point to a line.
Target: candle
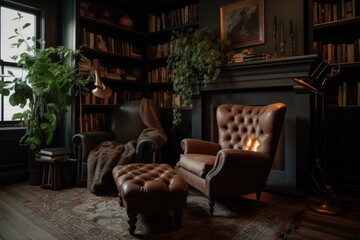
291	27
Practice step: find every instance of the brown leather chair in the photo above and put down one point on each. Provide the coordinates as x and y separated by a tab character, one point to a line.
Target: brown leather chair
234	166
124	124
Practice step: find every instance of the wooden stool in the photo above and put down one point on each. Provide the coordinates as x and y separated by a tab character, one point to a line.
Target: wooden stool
55	174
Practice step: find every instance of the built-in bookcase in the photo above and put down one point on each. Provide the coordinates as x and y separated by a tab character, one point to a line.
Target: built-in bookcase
336	38
162	22
113	37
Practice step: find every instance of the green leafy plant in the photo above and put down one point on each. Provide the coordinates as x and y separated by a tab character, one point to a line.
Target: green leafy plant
45	88
196	56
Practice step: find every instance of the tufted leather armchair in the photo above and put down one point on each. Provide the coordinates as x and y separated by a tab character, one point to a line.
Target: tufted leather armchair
236	164
124	124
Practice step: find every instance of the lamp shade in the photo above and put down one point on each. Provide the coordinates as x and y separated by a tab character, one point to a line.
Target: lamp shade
309	83
100	89
320	72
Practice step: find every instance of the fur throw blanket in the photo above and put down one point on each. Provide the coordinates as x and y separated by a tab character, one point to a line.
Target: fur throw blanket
102	159
105	156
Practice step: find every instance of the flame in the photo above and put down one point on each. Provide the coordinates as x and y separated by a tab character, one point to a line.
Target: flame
255	145
251	145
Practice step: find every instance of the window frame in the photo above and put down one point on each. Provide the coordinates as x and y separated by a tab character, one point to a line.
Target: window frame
39	34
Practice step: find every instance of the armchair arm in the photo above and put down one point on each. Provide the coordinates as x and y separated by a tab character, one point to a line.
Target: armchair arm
150	140
200	146
84	143
232	166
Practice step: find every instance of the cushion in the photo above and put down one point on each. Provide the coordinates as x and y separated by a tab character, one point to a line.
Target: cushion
199	164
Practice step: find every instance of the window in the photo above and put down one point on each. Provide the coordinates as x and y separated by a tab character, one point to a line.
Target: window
8	12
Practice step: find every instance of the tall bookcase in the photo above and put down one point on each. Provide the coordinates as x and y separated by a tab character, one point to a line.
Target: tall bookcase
336	39
162	22
113	37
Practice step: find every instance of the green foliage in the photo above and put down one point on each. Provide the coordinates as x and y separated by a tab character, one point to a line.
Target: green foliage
46	86
196	56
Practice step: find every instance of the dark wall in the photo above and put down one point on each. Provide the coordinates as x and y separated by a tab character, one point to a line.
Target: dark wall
284	10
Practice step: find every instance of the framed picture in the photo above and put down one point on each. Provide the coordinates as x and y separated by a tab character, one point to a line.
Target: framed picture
242	23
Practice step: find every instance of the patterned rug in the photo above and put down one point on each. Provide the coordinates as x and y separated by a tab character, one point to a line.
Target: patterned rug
82	215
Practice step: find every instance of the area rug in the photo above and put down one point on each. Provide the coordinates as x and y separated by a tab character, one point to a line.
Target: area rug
82	215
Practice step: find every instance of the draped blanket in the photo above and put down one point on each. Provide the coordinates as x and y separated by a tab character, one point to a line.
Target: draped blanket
105	156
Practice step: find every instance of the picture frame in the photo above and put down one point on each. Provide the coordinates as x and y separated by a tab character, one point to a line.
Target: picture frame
242	23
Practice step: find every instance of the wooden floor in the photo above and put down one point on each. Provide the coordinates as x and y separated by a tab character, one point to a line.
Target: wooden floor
17	223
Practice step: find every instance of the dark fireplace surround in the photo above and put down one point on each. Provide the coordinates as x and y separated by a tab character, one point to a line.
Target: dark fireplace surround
259	83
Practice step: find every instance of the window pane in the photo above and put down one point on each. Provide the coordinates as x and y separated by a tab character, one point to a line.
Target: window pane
8	109
8	26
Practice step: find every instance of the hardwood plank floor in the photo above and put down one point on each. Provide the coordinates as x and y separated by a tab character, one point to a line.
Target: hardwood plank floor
16	222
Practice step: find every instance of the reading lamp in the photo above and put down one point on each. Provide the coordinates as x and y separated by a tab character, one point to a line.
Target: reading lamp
316	83
100	89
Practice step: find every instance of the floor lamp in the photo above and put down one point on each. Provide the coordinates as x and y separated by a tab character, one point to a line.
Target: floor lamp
316	82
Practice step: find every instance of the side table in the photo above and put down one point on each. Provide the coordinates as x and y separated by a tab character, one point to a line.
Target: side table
55	173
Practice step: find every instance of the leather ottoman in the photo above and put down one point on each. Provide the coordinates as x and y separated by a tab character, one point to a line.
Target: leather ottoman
145	188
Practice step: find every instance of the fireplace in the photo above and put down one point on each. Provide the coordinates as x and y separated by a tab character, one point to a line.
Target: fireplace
260	83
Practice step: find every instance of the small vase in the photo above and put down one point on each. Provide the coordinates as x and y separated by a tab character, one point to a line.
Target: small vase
126	21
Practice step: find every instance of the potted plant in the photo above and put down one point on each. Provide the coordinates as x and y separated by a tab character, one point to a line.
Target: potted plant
196	56
45	88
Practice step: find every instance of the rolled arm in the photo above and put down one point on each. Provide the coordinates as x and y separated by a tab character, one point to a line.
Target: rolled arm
200	146
150	140
84	143
232	165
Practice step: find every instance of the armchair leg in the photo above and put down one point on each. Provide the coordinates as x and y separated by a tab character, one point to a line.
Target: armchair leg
258	196
211	205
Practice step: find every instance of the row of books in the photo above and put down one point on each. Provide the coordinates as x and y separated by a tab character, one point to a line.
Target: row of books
160	50
239	58
116	97
159	75
329	11
92	122
116	73
166	99
174	18
349	94
53	155
338	53
108	44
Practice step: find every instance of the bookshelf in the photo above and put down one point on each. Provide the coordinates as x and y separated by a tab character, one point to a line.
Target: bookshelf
335	38
113	37
162	22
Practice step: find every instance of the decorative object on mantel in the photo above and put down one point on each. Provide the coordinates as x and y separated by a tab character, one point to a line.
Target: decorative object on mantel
291	43
248	55
274	37
316	83
126	21
197	57
282	40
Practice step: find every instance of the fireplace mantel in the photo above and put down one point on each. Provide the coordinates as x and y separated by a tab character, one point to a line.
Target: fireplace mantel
259	83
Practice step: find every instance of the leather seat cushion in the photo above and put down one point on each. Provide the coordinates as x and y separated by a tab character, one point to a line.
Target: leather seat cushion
199	164
141	182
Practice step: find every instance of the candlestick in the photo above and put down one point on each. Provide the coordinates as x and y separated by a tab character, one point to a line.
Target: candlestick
274	36
291	43
282	42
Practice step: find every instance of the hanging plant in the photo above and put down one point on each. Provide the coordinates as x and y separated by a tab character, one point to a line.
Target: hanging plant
196	56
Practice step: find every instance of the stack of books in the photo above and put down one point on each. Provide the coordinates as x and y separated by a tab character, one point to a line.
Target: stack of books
53	155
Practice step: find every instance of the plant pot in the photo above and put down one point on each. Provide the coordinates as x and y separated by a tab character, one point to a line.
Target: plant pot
34	169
